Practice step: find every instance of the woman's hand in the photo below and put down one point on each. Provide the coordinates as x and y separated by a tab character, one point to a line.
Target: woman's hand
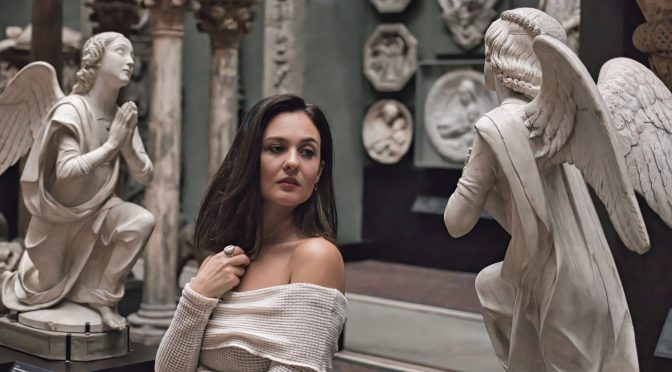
123	126
220	273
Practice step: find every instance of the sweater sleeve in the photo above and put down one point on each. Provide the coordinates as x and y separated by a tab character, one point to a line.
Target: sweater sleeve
181	345
279	367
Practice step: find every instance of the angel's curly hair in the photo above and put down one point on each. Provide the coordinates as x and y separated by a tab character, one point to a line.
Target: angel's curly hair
508	47
92	55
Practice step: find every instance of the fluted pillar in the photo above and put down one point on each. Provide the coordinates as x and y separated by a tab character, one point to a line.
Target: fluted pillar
225	21
162	197
283	47
654	37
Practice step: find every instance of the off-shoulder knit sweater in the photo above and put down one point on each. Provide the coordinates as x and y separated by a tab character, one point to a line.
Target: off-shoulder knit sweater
286	328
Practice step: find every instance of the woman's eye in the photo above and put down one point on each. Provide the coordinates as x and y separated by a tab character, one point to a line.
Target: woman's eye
276	149
307	153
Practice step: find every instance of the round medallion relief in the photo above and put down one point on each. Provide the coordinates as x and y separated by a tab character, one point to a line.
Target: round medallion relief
387	131
454	104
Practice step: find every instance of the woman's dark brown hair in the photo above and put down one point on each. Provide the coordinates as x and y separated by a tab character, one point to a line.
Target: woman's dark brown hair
230	212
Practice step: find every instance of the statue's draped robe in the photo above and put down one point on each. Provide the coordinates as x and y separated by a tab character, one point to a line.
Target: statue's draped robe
556	302
82	240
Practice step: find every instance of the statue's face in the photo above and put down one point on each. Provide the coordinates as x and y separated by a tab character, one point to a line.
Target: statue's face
116	67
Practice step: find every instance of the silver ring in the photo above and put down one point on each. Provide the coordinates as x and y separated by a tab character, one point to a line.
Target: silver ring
228	250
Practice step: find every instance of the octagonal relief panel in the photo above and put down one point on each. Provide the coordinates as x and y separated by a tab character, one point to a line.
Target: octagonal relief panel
390	57
390	6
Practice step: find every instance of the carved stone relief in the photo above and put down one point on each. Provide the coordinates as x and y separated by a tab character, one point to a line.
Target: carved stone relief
390	57
387	131
283	57
655	37
390	6
453	105
568	13
468	19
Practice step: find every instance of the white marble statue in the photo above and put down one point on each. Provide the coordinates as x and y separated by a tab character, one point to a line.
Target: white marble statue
82	239
467	19
556	302
387	131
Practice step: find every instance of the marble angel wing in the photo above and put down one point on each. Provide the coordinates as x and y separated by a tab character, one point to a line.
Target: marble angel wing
569	122
23	105
641	111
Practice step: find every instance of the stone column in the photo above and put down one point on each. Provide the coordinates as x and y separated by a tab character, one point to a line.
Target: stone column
225	21
162	196
283	47
654	37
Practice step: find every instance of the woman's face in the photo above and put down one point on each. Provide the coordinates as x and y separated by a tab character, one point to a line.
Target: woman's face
290	160
116	67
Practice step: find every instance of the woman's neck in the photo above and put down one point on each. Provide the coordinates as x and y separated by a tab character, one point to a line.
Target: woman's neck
278	224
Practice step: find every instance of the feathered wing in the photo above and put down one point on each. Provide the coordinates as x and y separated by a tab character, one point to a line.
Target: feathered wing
641	109
569	122
23	105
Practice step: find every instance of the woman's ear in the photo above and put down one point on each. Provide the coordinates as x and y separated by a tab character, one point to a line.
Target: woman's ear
319	173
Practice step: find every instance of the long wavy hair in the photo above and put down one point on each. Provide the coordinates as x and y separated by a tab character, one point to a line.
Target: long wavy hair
92	55
231	210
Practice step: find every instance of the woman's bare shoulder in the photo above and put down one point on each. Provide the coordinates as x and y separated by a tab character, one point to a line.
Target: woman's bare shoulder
318	261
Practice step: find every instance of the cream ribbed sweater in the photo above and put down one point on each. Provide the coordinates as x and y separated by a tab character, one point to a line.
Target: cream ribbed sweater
286	328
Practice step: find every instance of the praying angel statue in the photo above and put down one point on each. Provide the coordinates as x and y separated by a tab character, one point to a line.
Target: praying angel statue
82	240
555	303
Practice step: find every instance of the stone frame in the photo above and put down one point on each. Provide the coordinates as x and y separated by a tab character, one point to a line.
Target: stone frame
390	6
425	154
409	63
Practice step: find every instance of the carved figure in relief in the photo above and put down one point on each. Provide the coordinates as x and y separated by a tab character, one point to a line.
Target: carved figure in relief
454	103
390	57
387	131
82	240
467	19
556	302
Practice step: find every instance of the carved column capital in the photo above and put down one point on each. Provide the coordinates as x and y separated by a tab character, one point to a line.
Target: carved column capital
115	15
224	20
168	16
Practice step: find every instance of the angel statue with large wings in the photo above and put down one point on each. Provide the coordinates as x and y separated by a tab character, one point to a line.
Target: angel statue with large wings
556	302
82	240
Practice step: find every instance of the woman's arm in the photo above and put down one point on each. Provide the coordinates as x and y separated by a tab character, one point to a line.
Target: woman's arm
478	177
181	345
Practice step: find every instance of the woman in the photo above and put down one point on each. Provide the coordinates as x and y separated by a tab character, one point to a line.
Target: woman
268	296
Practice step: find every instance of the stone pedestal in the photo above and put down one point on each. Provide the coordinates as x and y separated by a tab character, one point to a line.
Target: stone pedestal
74	343
162	197
225	21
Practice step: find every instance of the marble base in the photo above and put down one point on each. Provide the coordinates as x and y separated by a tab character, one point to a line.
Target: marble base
64	317
62	345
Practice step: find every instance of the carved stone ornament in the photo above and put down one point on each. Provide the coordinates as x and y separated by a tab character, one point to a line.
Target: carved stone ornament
568	13
390	57
390	6
283	55
454	103
655	37
468	19
224	20
387	131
